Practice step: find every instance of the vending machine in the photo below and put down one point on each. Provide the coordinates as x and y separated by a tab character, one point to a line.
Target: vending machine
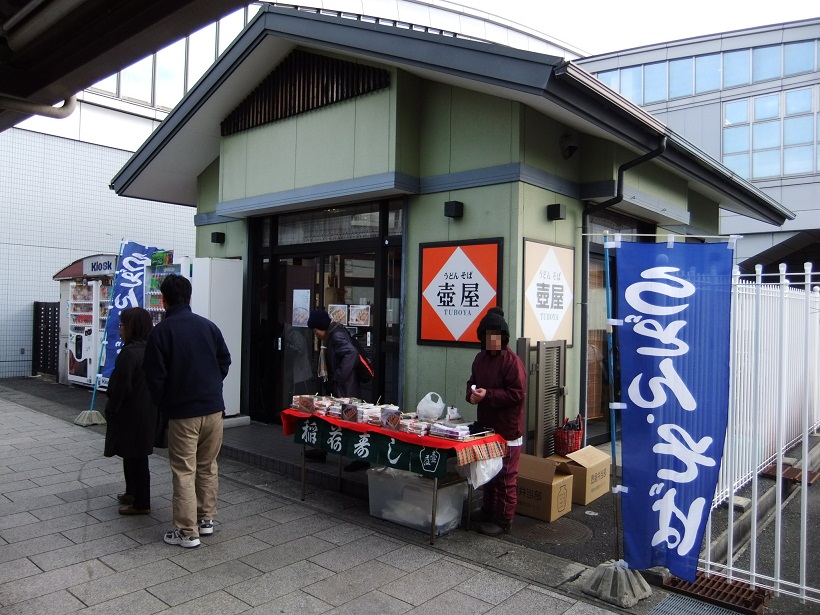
85	296
155	273
216	294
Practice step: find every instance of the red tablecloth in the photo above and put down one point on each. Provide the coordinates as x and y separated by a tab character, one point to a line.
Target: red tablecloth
466	452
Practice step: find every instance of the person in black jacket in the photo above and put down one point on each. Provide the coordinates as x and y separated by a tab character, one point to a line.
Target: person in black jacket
131	418
186	360
337	365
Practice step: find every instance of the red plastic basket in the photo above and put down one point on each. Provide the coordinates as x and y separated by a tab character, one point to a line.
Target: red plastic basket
568	440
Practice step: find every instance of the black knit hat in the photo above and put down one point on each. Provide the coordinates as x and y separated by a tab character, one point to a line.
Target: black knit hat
493	321
319	319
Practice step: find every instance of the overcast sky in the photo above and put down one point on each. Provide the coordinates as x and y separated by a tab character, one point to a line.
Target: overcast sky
597	26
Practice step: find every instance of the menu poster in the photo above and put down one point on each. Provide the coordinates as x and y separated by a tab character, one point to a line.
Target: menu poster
301	307
338	313
359	316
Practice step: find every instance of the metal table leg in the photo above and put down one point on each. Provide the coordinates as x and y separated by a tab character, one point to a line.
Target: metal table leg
433	515
303	472
469	505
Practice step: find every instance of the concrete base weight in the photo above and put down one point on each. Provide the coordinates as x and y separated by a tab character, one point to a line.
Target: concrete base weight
616	584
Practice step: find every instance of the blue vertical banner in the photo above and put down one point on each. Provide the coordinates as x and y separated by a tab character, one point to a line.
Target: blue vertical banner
675	304
128	292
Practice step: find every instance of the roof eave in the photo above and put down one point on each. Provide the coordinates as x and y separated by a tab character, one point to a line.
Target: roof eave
494	65
578	90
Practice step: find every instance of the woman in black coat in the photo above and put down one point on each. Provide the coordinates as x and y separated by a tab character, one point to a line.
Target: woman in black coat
132	420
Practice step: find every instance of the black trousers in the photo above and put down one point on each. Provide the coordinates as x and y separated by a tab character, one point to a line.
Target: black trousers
138	480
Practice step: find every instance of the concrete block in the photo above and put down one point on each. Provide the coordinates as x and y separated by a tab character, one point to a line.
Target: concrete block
236	421
740	503
616	584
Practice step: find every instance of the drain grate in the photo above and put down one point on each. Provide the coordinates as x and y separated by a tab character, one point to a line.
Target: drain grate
791	474
562	531
681	605
735	595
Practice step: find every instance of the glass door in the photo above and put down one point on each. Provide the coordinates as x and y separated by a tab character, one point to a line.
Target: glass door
347	261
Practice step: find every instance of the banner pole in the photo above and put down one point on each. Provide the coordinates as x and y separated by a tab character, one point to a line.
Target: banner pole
89	417
611	395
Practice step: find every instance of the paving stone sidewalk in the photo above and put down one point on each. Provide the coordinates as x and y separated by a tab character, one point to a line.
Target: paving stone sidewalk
65	549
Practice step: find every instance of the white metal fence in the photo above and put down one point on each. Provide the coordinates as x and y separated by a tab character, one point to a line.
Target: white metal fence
774	407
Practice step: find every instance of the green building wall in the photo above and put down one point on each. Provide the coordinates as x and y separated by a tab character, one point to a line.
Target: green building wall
426	129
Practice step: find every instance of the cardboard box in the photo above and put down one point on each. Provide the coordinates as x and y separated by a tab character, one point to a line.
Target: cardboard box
590	472
544	488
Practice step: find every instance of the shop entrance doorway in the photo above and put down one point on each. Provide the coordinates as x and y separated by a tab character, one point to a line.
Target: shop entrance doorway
357	280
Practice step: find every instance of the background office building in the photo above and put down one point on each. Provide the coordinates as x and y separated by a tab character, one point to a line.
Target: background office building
750	99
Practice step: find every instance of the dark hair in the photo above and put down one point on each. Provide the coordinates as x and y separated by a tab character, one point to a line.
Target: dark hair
175	289
136	323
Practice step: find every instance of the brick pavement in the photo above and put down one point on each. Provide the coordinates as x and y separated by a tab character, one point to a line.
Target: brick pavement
66	549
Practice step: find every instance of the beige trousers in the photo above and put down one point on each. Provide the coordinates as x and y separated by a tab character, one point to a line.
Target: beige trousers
193	445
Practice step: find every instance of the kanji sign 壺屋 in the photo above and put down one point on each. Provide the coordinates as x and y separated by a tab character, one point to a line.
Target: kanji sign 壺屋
459	282
549	276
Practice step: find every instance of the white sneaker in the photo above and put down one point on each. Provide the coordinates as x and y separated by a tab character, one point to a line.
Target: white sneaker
175	537
206	527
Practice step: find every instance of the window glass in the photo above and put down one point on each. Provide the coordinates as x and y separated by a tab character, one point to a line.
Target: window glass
738	164
109	84
798	101
736	139
680	78
201	50
253	9
767	107
229	27
610	78
736	68
332	224
632	83
766	164
736	112
707	73
766	135
798	130
170	75
135	81
395	217
765	63
654	82
797	159
798	57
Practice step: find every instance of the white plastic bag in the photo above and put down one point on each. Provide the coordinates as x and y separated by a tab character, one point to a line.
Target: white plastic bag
480	472
430	407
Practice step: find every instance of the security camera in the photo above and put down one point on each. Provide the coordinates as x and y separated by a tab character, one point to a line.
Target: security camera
569	145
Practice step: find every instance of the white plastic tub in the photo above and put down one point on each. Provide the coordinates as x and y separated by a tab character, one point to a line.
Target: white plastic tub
407	499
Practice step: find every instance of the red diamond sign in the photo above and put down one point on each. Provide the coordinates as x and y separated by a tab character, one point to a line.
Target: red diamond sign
459	283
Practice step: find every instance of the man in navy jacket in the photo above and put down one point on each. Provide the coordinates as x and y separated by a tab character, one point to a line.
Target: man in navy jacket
186	360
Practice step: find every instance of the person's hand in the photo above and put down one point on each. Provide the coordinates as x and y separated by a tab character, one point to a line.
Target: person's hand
477	395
